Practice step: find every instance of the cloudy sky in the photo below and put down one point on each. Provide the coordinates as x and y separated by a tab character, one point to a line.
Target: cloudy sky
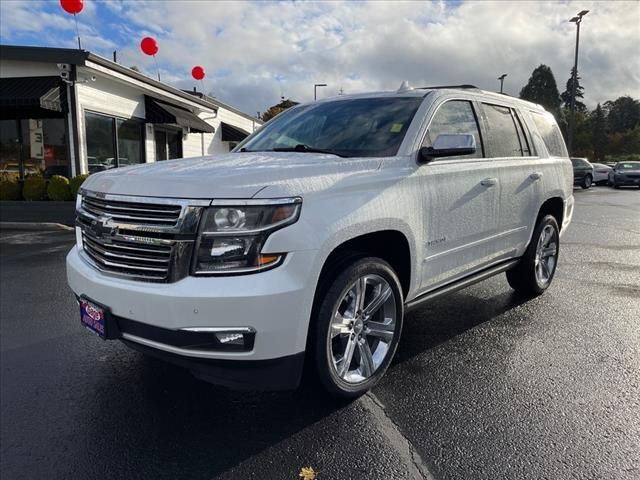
254	52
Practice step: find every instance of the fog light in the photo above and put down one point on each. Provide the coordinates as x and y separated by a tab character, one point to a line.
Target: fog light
236	339
231	338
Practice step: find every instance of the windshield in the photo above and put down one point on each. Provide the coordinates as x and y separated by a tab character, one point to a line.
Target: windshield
365	127
628	166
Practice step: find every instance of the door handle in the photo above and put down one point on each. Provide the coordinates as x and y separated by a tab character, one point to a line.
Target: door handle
489	182
535	176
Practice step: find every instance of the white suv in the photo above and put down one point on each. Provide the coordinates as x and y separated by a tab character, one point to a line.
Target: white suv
310	241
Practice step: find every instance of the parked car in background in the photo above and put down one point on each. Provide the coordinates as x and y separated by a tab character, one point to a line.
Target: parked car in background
625	174
601	173
308	242
582	172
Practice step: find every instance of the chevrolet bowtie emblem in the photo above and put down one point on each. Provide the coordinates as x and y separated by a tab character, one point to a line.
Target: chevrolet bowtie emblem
103	228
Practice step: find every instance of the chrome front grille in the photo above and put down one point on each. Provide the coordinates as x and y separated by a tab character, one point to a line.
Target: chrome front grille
132	212
129	258
142	238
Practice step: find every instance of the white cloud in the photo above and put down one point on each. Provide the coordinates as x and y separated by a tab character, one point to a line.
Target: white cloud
254	51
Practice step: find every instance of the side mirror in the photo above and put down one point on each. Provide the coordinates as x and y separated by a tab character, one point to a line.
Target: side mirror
449	145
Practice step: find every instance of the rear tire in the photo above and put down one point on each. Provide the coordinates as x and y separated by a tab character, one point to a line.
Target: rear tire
357	328
535	271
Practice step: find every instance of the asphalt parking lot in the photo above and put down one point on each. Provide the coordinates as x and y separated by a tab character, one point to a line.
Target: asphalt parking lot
485	385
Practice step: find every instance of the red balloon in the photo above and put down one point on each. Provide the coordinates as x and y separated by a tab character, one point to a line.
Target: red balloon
149	45
197	72
72	6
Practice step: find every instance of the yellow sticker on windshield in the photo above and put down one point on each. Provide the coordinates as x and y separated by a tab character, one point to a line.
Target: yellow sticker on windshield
396	127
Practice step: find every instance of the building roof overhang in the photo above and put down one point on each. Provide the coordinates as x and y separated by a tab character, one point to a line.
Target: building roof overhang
87	59
35	97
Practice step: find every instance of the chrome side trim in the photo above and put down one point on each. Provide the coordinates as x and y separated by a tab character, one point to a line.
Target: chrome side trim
156	200
255	201
182	351
220	329
474	243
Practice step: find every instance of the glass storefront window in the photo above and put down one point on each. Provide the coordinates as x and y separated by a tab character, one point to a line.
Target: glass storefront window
56	160
43	142
101	152
113	142
168	144
9	148
130	146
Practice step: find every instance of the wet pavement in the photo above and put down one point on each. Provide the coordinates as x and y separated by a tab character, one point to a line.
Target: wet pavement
485	385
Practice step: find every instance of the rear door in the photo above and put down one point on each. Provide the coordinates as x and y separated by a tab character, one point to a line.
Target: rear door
460	200
508	144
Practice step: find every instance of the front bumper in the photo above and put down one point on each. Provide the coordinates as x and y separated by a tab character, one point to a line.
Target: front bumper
626	181
569	204
152	317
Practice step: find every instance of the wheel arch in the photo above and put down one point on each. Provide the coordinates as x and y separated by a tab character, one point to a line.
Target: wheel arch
392	245
552	206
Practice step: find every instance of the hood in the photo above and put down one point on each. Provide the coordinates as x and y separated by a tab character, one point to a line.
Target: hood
233	175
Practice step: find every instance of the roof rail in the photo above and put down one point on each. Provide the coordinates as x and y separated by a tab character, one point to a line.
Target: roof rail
438	87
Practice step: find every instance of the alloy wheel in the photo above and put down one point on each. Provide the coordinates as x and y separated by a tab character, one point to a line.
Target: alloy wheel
546	255
362	329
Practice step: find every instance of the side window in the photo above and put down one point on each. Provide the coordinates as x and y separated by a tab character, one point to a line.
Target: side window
502	140
455	116
550	134
524	142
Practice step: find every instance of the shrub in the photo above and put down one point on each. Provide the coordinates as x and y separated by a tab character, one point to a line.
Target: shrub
34	188
75	184
58	188
9	190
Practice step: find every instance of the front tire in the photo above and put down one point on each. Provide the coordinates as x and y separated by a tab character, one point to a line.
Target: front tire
587	182
357	328
535	271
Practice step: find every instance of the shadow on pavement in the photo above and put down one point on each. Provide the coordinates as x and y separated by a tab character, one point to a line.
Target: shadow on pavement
443	319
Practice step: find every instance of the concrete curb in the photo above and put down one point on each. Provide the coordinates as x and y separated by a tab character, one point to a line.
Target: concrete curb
34	226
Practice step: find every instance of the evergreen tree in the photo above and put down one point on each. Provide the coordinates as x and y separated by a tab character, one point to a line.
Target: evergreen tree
277	109
599	137
623	114
566	95
542	89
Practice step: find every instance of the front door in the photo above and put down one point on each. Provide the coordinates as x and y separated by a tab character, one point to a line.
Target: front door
460	201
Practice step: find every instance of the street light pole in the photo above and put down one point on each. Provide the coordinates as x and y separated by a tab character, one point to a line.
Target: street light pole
315	89
574	80
501	78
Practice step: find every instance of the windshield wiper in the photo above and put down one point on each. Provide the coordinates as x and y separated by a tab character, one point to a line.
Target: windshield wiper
306	148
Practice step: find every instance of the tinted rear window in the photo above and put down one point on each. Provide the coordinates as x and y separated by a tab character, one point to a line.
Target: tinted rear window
502	139
550	134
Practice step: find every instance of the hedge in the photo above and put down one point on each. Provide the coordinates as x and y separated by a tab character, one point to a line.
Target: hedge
9	190
34	188
58	188
75	183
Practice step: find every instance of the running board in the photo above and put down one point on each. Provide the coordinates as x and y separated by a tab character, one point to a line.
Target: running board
460	284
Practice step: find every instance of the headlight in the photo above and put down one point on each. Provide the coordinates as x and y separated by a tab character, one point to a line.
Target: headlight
232	236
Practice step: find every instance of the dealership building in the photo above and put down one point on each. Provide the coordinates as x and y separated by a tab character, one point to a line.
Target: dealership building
67	112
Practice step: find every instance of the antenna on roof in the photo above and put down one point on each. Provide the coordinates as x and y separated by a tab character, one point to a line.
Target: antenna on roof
404	87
